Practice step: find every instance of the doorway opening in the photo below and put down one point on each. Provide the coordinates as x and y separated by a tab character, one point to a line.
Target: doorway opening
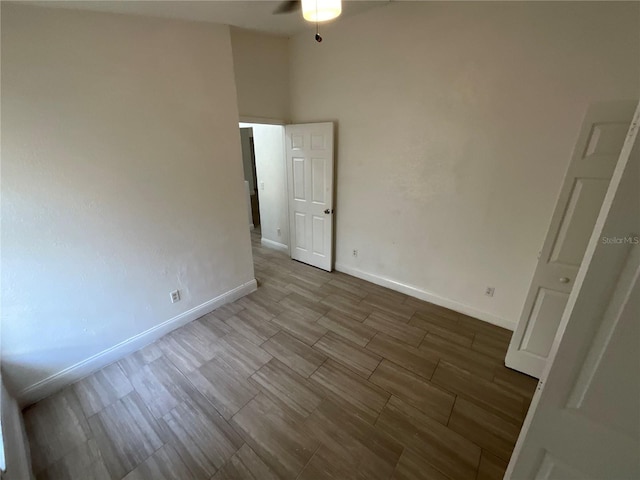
289	178
263	158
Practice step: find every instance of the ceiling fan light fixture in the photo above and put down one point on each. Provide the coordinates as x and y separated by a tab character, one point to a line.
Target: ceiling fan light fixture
321	10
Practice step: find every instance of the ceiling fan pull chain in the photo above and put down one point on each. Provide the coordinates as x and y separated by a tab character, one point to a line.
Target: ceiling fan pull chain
318	37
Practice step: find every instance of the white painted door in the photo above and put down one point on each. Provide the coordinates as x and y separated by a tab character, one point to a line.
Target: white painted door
310	180
592	164
584	421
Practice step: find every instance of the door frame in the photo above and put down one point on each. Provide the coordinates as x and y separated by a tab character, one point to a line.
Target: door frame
252	122
283	123
262	120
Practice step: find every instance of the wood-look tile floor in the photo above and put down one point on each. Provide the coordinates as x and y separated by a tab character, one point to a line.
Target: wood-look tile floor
315	375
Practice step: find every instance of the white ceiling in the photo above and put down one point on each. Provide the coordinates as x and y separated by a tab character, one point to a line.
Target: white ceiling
251	14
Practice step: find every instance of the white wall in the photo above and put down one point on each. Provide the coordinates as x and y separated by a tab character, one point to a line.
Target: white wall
121	181
455	124
268	143
247	161
261	64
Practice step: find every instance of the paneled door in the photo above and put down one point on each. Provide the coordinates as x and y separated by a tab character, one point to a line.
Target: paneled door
584	420
592	164
310	181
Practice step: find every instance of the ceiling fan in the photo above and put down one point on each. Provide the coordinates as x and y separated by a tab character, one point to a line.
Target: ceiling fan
312	10
288	6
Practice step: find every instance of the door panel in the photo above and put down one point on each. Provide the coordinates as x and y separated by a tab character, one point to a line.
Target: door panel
551	467
299	241
578	221
605	140
318	141
584	187
297	141
318	177
318	235
597	395
548	307
310	174
298	179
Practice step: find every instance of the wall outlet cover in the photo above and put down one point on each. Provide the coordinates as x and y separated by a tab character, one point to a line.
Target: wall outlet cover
175	296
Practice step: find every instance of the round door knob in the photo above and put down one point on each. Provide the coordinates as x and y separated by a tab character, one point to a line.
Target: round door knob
564	280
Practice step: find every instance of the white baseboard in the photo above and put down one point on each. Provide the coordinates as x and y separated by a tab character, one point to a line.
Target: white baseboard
426	296
275	245
57	381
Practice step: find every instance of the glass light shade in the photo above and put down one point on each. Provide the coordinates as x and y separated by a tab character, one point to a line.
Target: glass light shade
321	10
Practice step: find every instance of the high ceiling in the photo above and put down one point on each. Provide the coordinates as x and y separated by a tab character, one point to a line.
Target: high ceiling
254	15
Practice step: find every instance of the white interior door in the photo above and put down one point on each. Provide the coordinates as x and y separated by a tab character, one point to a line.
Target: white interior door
584	421
310	180
585	184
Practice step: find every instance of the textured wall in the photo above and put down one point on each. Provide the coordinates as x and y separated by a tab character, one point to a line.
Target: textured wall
455	124
121	181
261	65
270	167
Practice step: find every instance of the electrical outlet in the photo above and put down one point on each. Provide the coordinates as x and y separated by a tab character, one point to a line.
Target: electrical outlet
175	296
261	185
489	291
278	231
355	253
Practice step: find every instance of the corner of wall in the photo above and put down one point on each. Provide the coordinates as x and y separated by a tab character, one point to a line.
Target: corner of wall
16	444
427	296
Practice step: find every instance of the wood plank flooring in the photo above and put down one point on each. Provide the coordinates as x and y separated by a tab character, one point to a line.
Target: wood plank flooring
315	375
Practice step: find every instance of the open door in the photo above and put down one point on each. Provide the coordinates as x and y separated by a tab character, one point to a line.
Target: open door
584	420
309	150
585	184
